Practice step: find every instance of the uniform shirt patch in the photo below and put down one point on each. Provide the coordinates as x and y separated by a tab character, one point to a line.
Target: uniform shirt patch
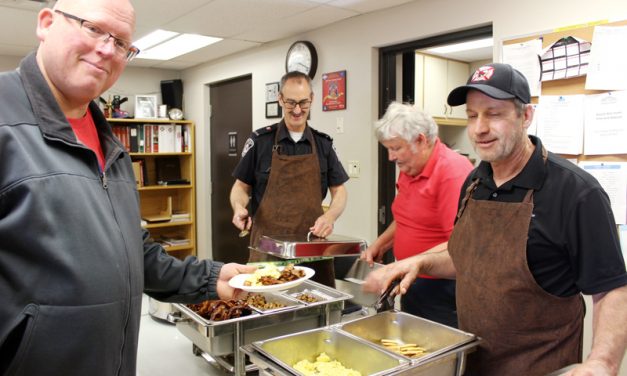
247	146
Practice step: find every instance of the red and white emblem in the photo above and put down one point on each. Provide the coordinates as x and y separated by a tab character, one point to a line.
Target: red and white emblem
483	74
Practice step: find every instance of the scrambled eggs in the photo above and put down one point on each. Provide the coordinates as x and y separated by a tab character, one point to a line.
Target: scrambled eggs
324	366
269	270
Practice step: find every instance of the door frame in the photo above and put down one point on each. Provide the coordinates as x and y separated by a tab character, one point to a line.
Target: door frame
387	94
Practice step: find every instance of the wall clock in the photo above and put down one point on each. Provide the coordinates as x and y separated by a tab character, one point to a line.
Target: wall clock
302	57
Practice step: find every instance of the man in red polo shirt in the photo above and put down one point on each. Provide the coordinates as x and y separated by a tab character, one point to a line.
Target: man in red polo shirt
429	183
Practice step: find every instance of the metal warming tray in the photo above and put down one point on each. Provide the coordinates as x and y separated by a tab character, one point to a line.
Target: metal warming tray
447	347
351	352
295	246
223	339
441	342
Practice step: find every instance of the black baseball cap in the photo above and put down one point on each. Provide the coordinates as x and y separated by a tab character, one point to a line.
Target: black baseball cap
496	80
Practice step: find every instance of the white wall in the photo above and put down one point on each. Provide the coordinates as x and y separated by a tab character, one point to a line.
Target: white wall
139	81
8	63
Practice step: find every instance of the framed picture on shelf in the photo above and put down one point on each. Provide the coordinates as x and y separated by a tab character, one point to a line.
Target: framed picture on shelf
145	107
273	110
334	91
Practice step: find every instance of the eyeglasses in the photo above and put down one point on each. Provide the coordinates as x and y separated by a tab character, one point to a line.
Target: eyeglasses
291	104
122	47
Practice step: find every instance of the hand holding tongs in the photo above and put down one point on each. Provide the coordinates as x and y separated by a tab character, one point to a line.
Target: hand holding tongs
385	302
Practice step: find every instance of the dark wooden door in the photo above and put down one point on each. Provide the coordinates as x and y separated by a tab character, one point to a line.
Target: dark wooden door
231	124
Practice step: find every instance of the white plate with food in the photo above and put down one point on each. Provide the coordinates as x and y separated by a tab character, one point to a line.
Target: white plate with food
272	278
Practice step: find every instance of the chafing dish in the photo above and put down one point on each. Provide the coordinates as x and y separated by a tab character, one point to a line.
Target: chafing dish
351	352
447	347
295	246
221	340
436	338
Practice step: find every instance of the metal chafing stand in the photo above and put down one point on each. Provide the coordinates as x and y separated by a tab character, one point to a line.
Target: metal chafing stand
221	341
300	246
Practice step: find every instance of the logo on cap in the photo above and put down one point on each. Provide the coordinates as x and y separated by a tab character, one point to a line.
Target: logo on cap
483	74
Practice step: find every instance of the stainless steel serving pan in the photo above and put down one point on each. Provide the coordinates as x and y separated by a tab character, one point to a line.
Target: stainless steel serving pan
349	351
436	338
448	347
295	246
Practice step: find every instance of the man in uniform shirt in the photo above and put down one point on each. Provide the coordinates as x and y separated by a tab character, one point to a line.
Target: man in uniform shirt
533	233
285	171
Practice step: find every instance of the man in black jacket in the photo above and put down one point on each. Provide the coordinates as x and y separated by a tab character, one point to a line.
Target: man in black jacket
74	260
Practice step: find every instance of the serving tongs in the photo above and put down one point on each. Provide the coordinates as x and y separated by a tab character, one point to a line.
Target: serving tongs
385	302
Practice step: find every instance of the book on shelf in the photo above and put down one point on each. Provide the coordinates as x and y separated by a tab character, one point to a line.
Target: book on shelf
154	138
168	169
138	171
180	217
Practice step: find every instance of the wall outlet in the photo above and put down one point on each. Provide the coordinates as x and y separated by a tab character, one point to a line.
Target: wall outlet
353	169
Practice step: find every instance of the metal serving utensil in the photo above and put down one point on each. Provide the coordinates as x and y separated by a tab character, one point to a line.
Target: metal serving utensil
385	302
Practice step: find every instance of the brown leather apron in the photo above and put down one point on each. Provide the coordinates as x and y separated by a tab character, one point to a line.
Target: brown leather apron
291	204
525	330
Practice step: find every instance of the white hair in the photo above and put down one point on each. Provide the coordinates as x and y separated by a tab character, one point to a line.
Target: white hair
407	122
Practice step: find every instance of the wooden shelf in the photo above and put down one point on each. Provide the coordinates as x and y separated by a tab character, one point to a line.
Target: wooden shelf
164	187
168	224
153	198
451	121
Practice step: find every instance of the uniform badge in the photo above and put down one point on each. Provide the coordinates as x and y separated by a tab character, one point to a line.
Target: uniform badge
247	146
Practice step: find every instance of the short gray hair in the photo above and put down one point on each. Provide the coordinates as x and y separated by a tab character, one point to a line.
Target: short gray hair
407	122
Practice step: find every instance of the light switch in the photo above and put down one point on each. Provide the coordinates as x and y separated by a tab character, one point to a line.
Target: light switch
339	125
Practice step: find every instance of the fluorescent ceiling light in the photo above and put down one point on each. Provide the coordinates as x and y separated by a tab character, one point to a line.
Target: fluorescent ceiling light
166	45
465	46
154	38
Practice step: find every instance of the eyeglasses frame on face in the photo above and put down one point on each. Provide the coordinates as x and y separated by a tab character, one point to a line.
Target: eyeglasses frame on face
291	104
96	32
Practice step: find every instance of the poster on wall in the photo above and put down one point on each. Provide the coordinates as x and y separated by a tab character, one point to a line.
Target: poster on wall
334	91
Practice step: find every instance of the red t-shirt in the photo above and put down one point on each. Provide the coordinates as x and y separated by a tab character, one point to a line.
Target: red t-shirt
425	206
85	131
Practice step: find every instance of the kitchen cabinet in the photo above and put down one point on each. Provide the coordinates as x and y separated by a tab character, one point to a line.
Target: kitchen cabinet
435	78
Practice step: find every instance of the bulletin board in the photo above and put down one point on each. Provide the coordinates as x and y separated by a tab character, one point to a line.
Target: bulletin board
575	85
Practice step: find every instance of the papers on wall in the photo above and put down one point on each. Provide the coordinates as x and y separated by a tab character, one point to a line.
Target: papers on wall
613	179
560	123
566	58
606	123
524	57
608	59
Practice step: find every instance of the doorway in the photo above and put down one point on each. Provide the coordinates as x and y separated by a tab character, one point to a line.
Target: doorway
231	125
397	83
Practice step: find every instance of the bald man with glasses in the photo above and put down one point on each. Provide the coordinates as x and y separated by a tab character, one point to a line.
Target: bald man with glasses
74	261
285	172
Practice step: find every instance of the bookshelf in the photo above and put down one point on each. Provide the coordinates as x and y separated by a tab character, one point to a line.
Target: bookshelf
162	152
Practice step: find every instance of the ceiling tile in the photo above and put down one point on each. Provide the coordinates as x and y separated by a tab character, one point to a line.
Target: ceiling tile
312	19
18	27
226	18
365	6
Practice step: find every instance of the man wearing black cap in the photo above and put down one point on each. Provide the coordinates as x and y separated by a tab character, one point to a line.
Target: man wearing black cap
533	233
